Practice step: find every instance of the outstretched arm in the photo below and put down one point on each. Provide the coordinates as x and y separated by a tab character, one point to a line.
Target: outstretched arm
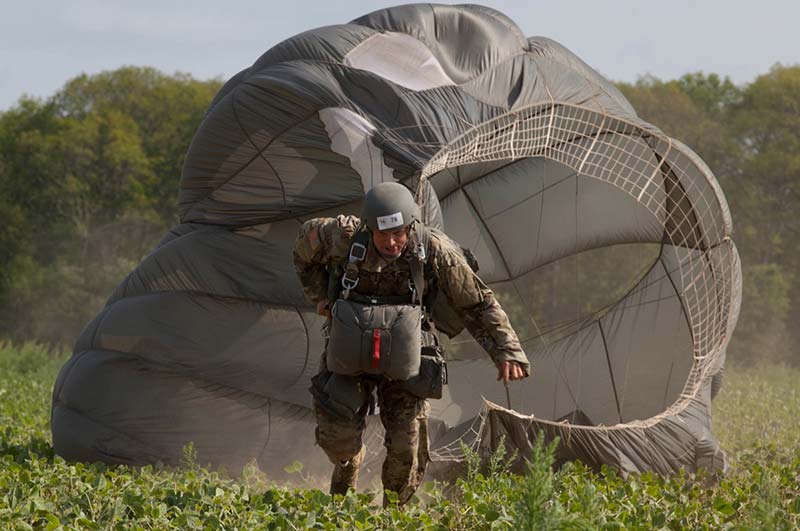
488	323
482	314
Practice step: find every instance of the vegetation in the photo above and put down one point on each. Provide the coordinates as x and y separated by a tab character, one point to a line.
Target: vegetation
755	418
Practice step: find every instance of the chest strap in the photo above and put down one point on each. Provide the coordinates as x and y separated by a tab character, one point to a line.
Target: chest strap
358	253
381	299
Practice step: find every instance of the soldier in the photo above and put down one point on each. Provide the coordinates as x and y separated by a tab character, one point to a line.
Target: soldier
397	245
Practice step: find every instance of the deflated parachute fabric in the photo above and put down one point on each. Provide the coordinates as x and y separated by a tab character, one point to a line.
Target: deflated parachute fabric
607	242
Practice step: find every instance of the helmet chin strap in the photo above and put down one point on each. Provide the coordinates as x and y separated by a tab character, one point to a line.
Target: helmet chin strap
390	258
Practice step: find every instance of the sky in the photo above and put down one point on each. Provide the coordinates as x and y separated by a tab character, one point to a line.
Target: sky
44	43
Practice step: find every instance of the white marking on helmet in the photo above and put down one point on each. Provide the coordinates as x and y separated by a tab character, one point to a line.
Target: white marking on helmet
391	221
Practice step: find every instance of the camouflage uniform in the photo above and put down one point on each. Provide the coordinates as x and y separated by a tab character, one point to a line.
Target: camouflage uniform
404	416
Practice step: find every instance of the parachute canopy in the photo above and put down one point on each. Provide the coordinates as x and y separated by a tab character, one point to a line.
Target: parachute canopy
607	242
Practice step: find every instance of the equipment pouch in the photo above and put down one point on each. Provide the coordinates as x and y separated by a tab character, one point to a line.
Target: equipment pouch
432	377
375	339
340	396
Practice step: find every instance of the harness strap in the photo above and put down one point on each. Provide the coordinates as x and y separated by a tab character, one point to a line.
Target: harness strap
421	243
380	299
358	252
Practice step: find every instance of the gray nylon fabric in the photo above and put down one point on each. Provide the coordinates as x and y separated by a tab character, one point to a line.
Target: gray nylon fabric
350	348
607	242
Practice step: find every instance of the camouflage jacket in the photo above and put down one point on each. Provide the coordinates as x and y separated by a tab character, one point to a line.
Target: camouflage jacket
323	241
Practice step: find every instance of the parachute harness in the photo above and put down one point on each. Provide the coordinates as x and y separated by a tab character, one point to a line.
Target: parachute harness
358	252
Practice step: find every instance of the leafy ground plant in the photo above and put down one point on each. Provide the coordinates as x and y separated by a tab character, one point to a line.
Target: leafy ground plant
755	417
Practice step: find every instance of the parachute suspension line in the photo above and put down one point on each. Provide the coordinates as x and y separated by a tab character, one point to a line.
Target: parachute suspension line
471	204
268	415
641	295
610	370
669	381
539	333
471	439
528	307
308	346
578	298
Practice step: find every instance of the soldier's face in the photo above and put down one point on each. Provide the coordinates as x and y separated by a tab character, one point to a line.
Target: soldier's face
390	243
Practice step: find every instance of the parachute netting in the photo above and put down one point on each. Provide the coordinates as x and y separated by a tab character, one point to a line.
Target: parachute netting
656	172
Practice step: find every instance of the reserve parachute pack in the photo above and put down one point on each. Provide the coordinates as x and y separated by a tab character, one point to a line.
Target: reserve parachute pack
383	339
382	335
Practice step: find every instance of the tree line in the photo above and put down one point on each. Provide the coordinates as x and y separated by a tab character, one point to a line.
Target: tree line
88	184
89	180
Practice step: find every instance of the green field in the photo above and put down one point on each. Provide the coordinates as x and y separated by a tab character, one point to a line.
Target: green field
755	418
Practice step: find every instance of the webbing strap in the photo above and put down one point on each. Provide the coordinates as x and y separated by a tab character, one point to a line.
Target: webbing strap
380	299
417	279
358	252
417	267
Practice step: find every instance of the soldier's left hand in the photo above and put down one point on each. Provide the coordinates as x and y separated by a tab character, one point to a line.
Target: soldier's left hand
324	309
508	370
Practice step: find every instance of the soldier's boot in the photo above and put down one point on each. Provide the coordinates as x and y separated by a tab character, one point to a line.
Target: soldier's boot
345	474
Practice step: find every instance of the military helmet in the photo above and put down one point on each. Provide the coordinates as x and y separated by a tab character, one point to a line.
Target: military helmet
389	206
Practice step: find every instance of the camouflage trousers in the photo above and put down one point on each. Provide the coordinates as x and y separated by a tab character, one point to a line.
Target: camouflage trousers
405	419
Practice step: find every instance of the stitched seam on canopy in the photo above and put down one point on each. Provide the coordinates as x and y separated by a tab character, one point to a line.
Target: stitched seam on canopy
252	143
196	293
258	154
175	370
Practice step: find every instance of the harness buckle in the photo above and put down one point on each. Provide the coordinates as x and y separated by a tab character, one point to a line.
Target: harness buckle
421	252
349	283
362	252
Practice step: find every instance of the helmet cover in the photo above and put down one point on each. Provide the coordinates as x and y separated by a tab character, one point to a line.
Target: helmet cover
389	206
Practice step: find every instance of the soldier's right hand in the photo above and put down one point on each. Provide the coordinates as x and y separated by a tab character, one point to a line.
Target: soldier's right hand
324	308
509	371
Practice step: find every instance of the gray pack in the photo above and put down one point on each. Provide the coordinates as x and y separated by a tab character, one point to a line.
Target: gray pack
375	339
432	377
341	396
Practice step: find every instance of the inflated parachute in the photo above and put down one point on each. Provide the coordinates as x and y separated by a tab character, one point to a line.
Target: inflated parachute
607	242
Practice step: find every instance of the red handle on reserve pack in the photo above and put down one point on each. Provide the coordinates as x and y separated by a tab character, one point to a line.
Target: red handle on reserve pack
376	348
